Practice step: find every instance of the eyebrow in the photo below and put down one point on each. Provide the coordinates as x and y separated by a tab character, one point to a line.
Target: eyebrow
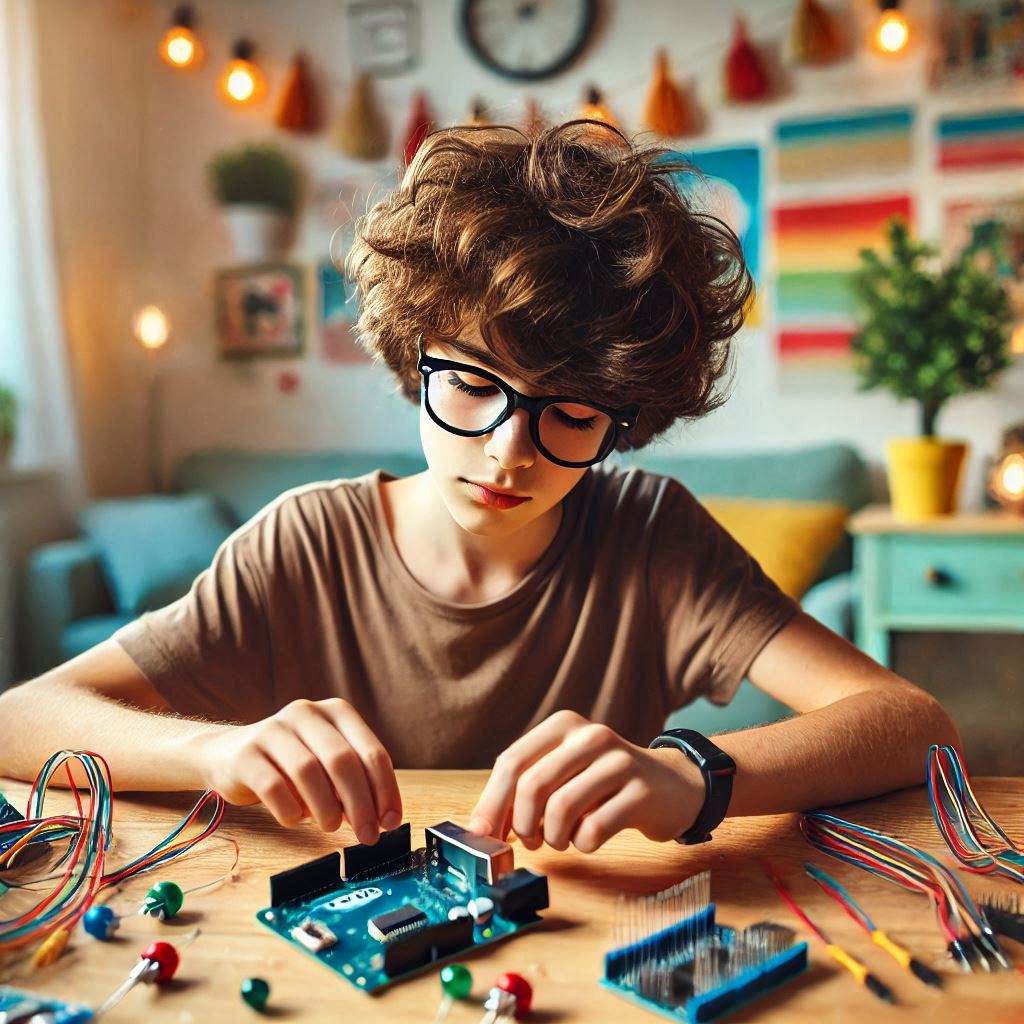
473	352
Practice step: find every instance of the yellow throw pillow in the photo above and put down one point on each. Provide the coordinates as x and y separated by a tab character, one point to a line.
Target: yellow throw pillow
790	539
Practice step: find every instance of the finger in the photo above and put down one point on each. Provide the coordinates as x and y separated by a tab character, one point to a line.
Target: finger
273	790
582	795
496	800
305	772
552	771
375	786
609	819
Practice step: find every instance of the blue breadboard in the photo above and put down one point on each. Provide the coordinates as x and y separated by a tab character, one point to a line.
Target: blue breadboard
63	1013
730	995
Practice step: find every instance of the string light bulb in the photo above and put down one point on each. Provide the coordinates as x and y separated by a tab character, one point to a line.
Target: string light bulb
180	47
1017	340
242	83
151	327
892	33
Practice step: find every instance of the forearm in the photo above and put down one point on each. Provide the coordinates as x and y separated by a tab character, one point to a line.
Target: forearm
145	749
863	745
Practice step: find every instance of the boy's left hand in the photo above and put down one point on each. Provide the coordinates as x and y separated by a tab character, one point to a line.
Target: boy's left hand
570	780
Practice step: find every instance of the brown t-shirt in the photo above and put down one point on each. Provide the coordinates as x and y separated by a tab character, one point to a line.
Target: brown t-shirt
640	604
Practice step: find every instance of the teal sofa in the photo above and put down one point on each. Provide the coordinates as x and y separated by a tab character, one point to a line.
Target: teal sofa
72	606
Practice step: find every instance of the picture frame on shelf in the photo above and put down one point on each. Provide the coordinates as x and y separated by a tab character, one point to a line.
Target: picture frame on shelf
383	36
260	311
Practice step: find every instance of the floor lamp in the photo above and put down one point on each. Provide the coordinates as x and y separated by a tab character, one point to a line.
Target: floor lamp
152	329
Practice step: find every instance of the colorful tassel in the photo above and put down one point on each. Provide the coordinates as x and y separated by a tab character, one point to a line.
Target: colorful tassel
478	114
360	131
746	78
299	109
595	109
667	111
418	126
533	119
815	37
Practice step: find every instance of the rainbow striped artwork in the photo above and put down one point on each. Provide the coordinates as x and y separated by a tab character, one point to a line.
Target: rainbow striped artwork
981	141
825	149
817	247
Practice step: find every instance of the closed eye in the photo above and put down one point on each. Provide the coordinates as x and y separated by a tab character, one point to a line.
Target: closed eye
476	391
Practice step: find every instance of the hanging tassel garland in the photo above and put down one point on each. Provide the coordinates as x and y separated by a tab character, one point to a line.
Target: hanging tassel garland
746	78
815	37
360	131
299	109
478	114
595	109
667	111
418	126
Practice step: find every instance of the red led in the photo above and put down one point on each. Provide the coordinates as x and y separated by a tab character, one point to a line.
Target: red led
165	956
518	986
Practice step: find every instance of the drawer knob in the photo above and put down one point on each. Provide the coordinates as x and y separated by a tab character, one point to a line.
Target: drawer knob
937	577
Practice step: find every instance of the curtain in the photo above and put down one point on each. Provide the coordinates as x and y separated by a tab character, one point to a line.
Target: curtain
33	347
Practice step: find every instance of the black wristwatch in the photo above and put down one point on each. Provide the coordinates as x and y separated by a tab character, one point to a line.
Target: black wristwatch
716	766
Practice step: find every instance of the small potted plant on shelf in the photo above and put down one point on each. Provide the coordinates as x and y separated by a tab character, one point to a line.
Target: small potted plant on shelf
8	420
257	186
928	333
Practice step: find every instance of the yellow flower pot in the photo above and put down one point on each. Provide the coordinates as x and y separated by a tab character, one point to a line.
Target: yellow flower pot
924	476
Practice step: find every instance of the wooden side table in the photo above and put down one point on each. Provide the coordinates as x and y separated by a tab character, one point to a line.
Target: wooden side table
962	573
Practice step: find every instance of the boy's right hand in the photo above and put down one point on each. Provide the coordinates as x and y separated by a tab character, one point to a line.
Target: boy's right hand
312	759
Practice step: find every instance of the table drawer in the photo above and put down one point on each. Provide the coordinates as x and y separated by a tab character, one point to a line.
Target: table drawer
964	575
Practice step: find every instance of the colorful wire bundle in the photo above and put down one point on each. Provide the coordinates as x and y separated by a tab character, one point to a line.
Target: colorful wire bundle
840	955
84	863
976	841
963	926
901	955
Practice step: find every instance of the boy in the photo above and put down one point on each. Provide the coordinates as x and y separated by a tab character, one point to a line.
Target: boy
520	604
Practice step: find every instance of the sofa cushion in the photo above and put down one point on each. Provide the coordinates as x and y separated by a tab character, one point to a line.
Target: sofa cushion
153	547
85	634
244	482
790	539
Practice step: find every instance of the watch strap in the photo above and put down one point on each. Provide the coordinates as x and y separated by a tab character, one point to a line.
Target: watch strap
717	769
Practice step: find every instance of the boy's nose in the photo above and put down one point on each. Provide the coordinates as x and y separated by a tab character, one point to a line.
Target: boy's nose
510	443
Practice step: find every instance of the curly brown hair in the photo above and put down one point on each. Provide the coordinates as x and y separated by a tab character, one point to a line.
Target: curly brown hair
586	268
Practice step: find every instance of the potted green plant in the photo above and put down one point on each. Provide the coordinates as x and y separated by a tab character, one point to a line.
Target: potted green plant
928	333
8	422
257	186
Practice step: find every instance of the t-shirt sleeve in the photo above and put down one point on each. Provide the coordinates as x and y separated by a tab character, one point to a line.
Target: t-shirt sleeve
208	653
717	607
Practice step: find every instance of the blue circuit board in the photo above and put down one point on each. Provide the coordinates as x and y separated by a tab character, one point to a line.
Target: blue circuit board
17	1005
338	914
674	988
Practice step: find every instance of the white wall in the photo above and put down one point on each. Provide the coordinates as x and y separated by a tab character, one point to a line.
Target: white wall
129	141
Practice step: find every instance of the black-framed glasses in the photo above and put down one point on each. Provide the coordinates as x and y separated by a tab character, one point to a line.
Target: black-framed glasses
471	401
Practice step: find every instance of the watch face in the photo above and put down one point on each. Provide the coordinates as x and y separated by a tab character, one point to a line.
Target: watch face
527	39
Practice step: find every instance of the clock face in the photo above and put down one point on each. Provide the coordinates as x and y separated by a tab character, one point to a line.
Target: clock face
527	39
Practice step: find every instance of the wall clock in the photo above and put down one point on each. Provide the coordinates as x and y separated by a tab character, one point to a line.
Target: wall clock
527	40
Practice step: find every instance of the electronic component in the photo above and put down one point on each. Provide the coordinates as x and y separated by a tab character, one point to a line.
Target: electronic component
8	812
672	957
518	895
163	901
470	857
399	911
314	935
1003	912
255	992
18	1007
456	984
405	918
156	965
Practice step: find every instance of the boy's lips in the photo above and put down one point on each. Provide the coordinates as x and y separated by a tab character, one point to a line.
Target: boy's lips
492	498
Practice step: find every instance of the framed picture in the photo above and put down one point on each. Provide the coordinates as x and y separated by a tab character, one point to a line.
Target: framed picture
339	312
382	36
260	311
978	39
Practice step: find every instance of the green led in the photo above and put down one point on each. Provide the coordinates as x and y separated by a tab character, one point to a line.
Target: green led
164	900
255	991
456	981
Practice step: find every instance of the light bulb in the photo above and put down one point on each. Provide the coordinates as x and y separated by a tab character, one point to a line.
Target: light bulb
892	32
180	47
151	327
1011	476
1017	340
242	82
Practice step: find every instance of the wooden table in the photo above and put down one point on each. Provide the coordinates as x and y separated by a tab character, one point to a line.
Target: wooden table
563	956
